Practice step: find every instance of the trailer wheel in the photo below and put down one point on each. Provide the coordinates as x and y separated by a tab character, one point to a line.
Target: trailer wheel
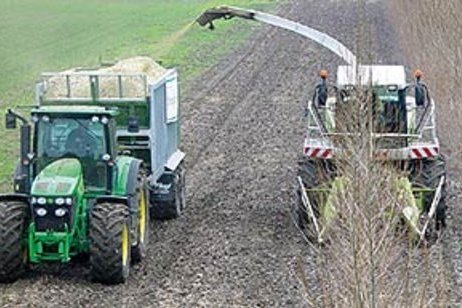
13	254
110	248
165	210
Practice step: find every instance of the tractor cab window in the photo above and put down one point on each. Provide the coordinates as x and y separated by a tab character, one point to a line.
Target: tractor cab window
80	138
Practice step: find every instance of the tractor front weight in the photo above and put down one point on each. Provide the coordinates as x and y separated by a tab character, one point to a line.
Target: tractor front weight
49	246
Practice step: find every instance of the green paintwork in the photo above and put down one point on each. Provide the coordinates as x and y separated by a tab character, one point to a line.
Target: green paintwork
59	179
60	241
123	166
62	178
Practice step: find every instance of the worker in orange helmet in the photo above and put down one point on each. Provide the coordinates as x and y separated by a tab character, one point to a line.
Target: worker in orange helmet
320	92
421	92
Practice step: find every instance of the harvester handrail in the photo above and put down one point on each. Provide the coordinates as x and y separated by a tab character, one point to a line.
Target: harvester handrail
434	205
306	202
425	117
317	118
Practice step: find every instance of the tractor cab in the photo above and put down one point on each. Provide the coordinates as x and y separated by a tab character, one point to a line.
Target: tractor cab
85	134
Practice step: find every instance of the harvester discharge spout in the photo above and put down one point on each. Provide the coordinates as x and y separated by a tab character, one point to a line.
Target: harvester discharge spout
226	12
209	16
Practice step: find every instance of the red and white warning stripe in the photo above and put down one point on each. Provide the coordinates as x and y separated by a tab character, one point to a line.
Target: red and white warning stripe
318	152
414	153
424	152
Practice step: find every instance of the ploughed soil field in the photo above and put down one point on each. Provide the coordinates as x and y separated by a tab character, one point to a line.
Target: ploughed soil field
243	130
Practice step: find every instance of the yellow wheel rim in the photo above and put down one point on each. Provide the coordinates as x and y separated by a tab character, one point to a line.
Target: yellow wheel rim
124	245
142	218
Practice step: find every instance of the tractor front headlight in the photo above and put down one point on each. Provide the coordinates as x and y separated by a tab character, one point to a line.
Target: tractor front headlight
61	212
41	211
69	201
59	201
42	201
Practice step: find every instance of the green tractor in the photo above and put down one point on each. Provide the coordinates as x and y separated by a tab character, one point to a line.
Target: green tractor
91	169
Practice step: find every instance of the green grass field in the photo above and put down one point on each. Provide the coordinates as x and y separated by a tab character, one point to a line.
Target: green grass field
51	35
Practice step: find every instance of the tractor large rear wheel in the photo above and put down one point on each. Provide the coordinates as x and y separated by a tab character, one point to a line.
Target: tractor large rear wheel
13	254
110	248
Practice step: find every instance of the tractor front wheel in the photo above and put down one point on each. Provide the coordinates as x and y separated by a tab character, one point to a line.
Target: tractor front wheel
13	254
110	248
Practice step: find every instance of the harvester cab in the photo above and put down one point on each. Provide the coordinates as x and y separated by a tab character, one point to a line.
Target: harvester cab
94	157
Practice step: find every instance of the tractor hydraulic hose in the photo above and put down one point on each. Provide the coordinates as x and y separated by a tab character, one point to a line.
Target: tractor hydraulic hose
321	38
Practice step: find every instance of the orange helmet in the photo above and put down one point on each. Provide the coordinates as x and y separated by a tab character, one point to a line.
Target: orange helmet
323	73
418	74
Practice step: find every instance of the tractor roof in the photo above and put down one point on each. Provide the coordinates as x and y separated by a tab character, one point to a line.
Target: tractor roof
90	110
379	75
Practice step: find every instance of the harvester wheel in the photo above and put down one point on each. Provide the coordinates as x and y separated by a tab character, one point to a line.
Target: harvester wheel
313	173
430	176
110	248
13	254
142	230
174	208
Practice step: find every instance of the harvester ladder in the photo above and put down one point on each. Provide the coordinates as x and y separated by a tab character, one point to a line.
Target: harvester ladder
309	208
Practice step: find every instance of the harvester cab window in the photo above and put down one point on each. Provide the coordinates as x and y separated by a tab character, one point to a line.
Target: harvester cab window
80	138
393	117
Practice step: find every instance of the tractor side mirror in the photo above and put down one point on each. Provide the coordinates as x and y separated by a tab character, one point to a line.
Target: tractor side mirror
10	121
